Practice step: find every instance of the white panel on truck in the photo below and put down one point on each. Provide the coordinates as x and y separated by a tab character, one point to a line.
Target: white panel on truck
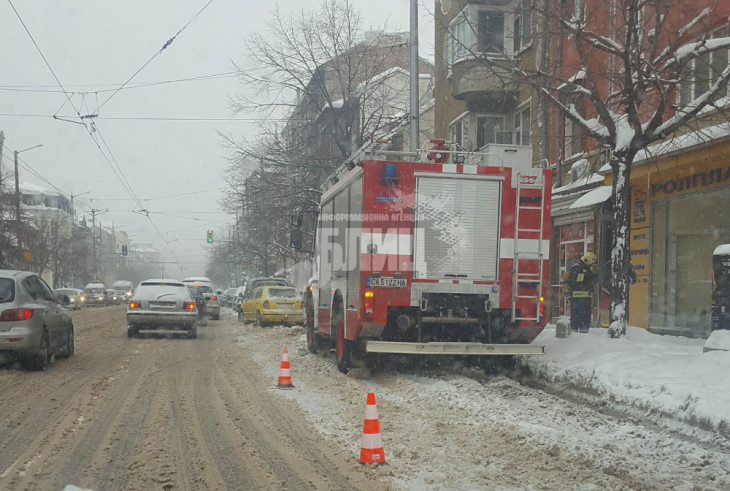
457	227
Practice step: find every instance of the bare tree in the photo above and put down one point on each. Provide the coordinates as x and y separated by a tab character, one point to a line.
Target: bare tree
323	87
619	73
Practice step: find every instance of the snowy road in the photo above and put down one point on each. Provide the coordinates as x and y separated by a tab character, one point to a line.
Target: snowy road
458	429
159	414
179	414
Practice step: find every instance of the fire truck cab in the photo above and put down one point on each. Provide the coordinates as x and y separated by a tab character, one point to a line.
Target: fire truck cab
418	257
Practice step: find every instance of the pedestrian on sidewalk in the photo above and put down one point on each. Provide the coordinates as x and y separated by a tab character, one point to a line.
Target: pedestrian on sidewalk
582	282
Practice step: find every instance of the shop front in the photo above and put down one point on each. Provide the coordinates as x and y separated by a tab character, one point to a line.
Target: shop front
680	212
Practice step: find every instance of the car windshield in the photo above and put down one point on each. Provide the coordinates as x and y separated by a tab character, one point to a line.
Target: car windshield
63	291
94	291
283	293
7	290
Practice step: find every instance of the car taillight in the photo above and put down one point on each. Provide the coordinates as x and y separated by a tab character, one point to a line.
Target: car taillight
12	315
189	306
266	305
213	297
135	305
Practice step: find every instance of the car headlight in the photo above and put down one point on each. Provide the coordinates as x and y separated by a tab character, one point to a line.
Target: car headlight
73	299
83	298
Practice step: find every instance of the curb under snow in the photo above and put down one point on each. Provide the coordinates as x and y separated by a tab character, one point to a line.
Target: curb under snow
663	375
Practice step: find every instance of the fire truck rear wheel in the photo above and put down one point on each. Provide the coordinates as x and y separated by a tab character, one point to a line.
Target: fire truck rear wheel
342	345
312	339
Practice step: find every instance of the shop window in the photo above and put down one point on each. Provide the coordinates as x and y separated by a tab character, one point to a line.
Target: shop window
685	232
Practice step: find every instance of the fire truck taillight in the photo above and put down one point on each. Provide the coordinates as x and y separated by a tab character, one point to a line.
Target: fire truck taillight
369	300
541	307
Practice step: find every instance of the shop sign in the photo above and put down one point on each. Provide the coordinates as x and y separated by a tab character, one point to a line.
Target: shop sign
639	251
638	209
687	181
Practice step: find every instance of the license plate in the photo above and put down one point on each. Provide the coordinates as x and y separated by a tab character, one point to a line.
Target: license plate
387	282
162	305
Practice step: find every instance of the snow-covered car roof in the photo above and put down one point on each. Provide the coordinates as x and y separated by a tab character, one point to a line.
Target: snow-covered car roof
95	285
161	282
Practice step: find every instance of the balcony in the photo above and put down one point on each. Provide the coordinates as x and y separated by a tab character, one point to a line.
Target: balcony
476	83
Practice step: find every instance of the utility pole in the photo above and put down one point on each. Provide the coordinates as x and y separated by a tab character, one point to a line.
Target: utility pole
17	192
17	189
93	239
2	145
415	96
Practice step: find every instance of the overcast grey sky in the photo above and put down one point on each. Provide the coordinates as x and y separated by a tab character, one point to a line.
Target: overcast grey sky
92	43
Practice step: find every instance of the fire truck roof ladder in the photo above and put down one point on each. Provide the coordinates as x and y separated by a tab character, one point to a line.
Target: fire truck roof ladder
518	276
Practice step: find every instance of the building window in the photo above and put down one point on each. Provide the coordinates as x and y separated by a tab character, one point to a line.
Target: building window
522	29
459	39
490	31
460	133
702	72
573	131
522	126
490	129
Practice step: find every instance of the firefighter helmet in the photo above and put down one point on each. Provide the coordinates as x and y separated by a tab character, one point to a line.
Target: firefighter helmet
589	259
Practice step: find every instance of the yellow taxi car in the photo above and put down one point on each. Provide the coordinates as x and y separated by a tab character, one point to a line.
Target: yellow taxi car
274	304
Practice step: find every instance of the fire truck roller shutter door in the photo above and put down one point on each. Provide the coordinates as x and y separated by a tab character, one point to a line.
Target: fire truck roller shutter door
353	245
457	227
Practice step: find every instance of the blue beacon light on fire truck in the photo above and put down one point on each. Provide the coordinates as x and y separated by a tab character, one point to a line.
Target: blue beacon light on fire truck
390	174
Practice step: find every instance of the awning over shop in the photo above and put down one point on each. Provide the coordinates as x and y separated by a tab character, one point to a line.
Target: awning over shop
594	197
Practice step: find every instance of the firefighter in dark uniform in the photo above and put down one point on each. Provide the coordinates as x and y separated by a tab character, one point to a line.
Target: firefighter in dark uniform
582	282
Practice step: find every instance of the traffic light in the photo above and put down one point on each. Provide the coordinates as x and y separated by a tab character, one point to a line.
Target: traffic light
210	236
125	253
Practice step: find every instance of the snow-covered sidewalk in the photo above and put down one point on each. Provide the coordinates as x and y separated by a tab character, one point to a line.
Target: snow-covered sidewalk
457	429
665	374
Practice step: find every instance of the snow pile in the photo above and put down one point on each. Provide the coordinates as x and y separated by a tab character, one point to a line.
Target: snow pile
718	340
664	374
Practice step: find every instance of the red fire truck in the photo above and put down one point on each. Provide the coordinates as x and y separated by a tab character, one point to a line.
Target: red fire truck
430	258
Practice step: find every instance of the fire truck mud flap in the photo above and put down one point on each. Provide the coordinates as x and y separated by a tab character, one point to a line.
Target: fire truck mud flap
452	348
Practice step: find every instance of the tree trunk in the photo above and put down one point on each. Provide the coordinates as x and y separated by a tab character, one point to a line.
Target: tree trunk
620	256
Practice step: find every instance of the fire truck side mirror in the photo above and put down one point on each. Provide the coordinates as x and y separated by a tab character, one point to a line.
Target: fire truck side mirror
296	239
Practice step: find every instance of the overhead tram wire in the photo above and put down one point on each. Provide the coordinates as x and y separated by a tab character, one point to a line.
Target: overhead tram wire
153	118
43	56
79	114
138	85
164	46
58	81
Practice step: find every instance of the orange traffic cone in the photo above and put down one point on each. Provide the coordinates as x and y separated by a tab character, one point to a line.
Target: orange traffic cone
371	448
284	374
